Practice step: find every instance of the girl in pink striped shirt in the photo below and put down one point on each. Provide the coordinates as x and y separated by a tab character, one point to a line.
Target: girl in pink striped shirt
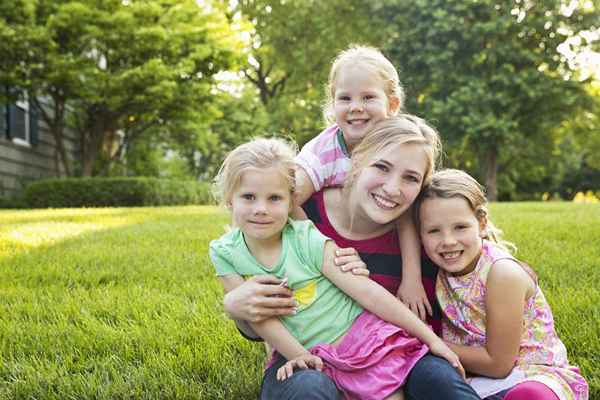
363	89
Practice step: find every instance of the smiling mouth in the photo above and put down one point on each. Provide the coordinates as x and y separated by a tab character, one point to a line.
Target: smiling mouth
358	121
384	203
451	255
260	223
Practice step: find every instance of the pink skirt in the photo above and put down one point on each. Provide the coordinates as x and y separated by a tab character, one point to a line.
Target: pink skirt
373	359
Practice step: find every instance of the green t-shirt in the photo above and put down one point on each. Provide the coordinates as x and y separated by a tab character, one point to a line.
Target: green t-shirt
324	312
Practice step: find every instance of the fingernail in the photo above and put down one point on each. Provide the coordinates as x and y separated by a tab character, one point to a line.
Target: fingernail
335	261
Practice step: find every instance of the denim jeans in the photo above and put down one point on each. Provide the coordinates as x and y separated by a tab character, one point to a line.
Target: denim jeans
306	384
432	378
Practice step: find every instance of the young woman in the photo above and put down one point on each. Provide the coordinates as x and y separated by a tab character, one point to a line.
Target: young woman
381	186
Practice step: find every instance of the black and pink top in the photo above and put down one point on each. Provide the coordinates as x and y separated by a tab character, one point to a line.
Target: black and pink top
381	254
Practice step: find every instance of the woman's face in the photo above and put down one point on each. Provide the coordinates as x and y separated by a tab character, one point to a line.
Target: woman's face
388	185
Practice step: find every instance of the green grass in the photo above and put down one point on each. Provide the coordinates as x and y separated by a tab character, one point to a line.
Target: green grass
123	303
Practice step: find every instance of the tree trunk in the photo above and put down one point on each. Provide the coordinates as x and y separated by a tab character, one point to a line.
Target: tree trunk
56	124
491	165
97	124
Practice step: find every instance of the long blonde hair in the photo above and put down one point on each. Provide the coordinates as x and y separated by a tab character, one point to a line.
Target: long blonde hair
374	62
452	183
258	153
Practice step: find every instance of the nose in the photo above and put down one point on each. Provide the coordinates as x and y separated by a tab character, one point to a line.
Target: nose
392	188
260	207
448	239
356	105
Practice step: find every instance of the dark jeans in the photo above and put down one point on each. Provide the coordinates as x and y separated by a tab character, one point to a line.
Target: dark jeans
432	378
306	384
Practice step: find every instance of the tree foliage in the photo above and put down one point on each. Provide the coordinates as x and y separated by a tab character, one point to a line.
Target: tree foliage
292	44
489	75
122	65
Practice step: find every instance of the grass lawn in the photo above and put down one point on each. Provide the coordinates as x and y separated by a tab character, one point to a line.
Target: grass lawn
122	303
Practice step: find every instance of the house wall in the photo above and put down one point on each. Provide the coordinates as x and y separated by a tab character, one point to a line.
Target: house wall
21	164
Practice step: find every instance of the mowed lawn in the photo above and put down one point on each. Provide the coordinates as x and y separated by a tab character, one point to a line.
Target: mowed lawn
122	303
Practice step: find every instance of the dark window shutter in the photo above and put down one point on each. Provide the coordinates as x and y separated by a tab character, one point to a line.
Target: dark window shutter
16	122
33	124
4	120
12	118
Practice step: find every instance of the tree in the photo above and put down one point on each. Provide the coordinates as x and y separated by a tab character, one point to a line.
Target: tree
488	74
122	65
292	44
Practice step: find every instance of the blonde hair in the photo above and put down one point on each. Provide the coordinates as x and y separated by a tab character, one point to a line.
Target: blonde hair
258	153
376	63
452	183
400	129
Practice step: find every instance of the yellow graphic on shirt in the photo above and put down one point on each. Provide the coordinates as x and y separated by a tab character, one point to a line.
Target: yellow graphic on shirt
306	295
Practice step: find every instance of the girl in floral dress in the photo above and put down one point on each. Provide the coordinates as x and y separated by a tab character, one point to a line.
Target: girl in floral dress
496	317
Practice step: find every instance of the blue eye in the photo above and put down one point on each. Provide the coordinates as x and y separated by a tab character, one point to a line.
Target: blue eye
248	196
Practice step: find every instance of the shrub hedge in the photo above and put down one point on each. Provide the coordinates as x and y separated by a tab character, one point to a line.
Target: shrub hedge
115	192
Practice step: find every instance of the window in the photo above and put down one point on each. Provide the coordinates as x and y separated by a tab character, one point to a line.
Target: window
21	123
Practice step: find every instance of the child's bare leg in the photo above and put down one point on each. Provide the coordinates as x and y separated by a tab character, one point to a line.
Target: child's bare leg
398	395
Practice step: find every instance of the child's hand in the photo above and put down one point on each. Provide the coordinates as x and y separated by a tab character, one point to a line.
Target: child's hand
303	361
413	295
441	349
349	260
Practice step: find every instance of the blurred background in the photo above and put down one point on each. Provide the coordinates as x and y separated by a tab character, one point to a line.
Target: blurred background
164	88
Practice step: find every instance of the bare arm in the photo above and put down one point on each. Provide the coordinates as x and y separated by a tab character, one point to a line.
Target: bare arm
276	334
304	189
375	298
507	288
255	300
411	290
382	303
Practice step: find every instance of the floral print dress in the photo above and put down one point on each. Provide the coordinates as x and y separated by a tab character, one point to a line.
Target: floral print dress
542	356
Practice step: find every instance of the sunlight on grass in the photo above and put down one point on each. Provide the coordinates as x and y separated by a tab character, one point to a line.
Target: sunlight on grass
123	303
23	230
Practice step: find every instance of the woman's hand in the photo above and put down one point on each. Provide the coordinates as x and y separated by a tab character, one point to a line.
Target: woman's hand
413	295
259	298
303	361
441	349
348	260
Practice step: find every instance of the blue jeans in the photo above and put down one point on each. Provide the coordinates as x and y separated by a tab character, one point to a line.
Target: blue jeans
432	378
306	384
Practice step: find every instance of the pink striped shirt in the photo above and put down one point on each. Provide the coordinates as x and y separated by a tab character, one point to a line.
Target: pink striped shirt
325	159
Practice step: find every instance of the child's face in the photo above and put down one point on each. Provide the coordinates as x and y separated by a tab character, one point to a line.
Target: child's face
261	203
389	184
451	234
359	102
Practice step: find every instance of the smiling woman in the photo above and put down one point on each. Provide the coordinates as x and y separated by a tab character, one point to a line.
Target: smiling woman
346	313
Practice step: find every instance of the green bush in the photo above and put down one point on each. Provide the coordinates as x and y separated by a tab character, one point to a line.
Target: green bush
16	201
115	192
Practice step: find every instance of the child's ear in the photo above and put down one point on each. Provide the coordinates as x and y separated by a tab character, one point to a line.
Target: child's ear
394	104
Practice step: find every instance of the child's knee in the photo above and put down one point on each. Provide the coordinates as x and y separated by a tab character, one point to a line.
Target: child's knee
530	390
